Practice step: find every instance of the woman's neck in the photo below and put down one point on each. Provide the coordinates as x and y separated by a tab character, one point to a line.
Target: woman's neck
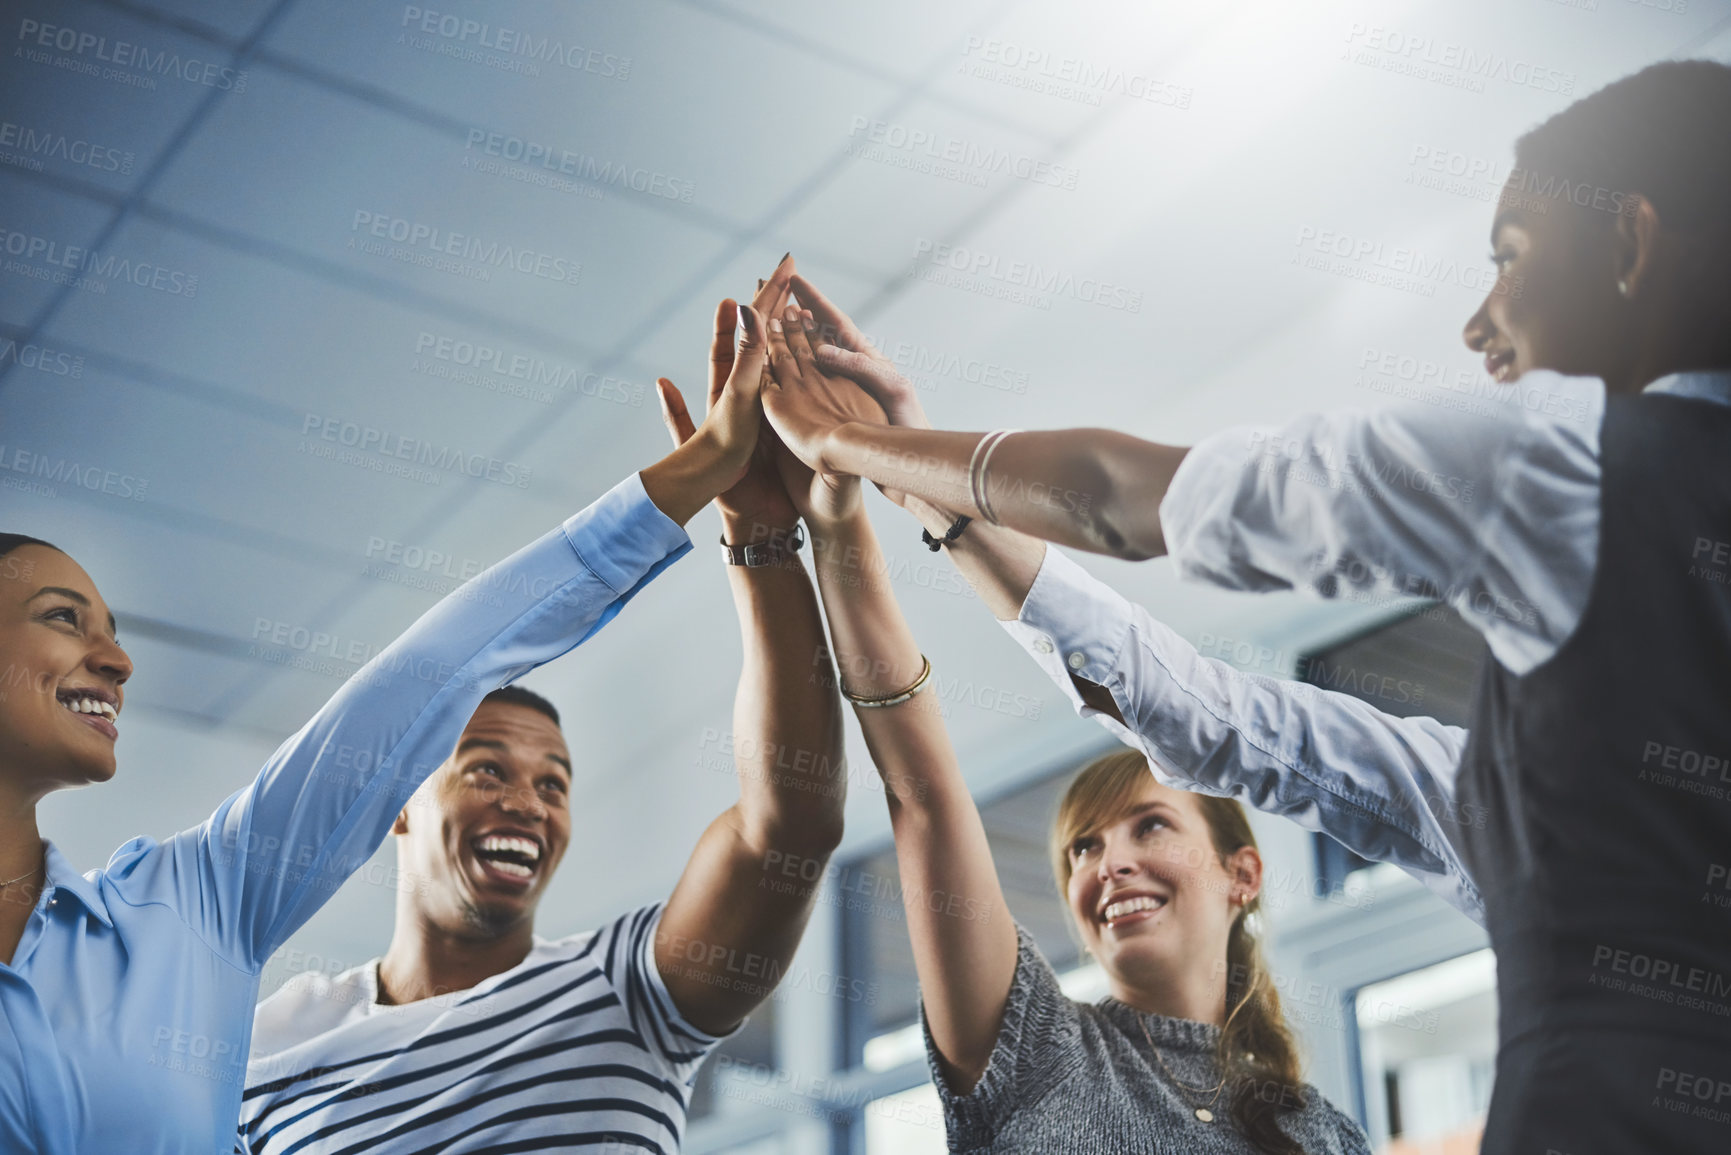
1198	997
20	842
22	866
1685	332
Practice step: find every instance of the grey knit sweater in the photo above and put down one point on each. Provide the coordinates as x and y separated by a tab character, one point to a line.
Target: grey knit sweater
1066	1078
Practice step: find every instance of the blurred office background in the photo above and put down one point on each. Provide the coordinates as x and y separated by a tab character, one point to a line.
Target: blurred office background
1166	218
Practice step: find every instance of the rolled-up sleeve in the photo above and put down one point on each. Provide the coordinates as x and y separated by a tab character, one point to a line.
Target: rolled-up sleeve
277	849
1496	515
1381	785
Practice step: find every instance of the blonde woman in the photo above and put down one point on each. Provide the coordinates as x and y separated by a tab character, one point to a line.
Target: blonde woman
1190	1052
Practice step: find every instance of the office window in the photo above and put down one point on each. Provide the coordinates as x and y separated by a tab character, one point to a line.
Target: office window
909	1122
1427	1047
1425	662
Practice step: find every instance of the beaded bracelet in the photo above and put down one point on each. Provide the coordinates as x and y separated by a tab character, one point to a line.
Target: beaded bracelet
950	535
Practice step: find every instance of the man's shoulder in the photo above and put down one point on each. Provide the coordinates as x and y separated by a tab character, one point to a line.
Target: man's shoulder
309	1004
606	943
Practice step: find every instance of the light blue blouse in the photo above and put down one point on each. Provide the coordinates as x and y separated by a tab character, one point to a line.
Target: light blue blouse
126	1015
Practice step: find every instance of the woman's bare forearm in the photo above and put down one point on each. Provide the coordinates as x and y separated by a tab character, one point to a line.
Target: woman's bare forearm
1092	489
963	939
1001	566
999	563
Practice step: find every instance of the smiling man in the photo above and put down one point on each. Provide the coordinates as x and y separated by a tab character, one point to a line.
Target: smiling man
471	1033
478	847
471	1026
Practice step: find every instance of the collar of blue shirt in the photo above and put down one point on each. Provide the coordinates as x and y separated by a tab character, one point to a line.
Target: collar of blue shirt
63	878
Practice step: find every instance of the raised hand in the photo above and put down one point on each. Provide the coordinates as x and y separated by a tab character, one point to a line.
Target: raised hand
806	405
752	500
709	459
823	499
853	356
755	496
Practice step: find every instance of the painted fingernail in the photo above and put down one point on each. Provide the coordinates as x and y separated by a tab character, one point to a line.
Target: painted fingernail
747	322
784	257
774	325
760	282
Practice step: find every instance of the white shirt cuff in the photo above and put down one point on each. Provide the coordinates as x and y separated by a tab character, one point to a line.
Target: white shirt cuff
1071	623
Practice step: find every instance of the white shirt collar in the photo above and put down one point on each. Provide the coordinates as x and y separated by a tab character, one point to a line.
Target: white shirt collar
1705	385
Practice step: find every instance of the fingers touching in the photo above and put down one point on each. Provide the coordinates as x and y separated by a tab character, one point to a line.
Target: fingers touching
793	326
769	300
836	325
771	295
782	363
868	371
740	349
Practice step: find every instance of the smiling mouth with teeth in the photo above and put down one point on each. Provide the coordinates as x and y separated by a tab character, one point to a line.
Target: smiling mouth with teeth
1125	907
509	855
84	704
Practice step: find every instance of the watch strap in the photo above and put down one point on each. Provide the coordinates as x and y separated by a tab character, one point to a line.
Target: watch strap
777	550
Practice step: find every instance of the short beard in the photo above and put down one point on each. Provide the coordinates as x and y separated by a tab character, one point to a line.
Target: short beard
487	922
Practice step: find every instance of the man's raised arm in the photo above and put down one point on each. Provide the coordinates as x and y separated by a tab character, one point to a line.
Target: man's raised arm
736	916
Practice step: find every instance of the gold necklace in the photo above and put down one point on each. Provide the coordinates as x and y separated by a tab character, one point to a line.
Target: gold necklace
21	877
1185	1089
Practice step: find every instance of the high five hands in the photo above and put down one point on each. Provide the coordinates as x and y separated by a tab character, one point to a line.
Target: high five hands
753	500
806	404
724	456
807	388
840	408
844	351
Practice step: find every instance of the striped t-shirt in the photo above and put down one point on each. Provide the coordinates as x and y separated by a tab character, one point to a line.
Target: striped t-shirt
577	1046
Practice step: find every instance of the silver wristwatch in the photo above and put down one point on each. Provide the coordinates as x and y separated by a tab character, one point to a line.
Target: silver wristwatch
776	551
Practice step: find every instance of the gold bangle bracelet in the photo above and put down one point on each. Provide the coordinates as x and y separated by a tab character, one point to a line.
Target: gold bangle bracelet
870	702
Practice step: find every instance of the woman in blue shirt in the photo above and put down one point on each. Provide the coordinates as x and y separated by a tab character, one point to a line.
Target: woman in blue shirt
126	995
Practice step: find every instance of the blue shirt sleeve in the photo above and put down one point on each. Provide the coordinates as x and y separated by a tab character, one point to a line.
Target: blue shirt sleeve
276	850
1381	785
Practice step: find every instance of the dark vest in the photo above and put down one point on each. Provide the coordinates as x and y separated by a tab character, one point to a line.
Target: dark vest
1605	779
